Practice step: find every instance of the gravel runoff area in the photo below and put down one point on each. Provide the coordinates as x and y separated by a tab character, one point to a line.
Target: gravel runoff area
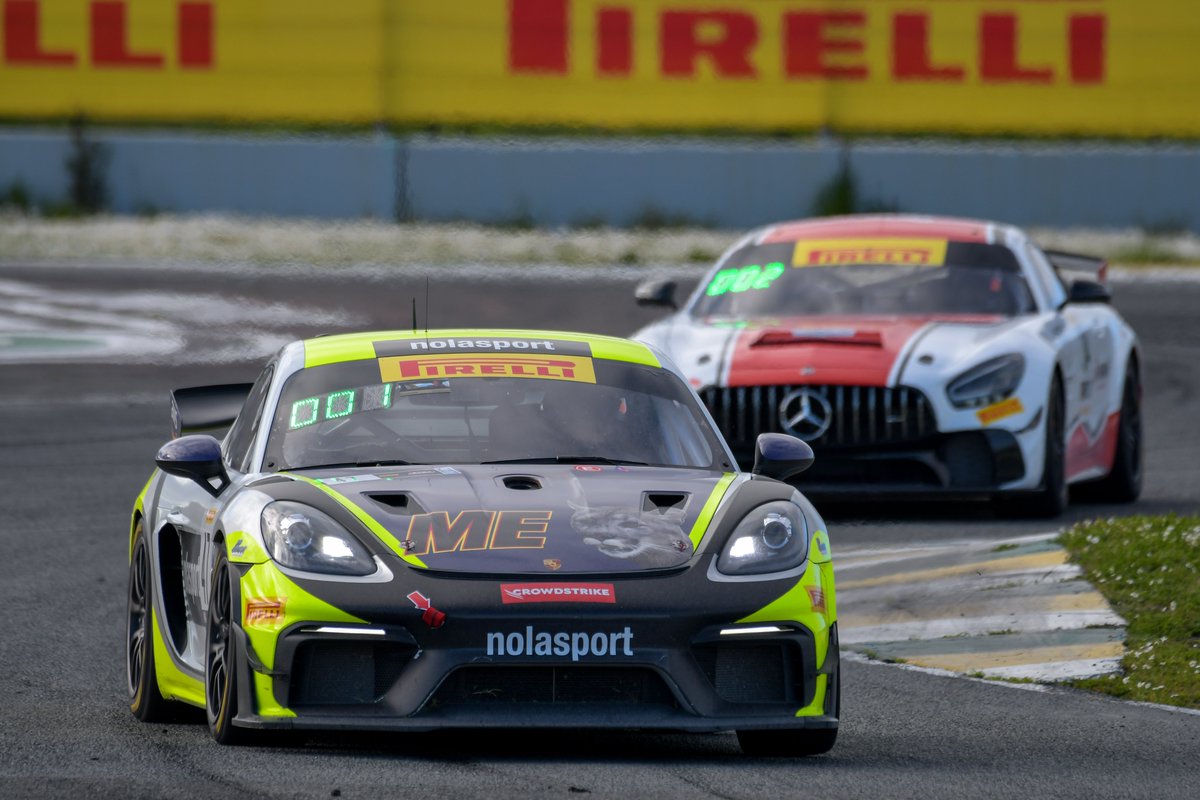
225	239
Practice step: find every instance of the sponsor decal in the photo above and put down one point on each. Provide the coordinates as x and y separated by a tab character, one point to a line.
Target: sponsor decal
210	515
822	545
430	615
238	549
588	468
348	479
436	533
999	411
482	365
817	597
849	252
552	563
265	612
557	593
560	644
454	345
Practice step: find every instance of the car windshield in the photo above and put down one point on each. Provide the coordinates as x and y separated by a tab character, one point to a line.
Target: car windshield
887	277
346	414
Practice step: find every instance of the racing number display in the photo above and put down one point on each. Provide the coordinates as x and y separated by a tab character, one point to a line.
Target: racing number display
971	66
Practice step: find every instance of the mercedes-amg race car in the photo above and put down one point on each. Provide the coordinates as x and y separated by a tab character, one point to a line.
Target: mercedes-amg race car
919	356
466	528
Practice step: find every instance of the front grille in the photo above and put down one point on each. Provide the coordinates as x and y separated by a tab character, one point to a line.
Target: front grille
753	673
345	672
553	686
859	415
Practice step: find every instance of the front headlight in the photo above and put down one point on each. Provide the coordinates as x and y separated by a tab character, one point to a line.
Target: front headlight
771	538
988	383
301	537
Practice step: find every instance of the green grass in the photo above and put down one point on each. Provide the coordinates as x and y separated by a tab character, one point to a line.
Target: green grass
1150	253
1148	568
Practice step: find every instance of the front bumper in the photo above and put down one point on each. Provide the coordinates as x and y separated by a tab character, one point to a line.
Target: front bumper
650	662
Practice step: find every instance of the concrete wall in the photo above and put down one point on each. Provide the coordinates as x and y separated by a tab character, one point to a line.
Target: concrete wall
565	181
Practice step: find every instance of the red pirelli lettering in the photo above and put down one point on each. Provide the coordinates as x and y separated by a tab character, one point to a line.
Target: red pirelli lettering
809	40
537	36
22	37
726	38
110	39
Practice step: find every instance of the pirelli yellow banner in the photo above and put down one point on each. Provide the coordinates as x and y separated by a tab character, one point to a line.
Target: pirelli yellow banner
1041	67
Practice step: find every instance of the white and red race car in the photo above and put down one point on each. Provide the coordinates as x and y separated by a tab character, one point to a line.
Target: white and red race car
918	356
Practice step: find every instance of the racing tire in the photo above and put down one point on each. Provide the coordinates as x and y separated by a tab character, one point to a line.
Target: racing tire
145	700
1123	484
220	660
1052	498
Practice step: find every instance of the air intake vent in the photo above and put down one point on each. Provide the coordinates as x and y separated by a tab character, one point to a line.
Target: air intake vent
663	502
346	673
753	673
400	501
521	482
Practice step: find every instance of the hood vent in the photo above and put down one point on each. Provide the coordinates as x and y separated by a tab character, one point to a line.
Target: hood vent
397	501
663	502
521	482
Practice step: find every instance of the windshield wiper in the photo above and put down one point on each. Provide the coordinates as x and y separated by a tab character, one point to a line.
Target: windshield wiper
568	460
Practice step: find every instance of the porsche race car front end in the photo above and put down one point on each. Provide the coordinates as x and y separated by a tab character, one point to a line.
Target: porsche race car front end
707	645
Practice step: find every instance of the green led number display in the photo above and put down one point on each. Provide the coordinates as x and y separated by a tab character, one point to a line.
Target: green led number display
743	279
339	404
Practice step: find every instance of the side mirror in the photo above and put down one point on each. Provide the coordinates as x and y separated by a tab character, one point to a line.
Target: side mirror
656	293
196	457
1088	292
779	456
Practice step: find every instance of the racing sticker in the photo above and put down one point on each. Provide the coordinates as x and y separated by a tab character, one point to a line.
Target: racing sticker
557	593
453	344
576	644
848	252
999	411
436	533
481	365
744	279
816	597
429	615
265	612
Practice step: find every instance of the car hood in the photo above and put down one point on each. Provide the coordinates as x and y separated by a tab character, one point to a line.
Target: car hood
840	350
534	518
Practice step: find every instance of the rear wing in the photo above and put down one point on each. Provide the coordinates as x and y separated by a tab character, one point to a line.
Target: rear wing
1073	266
204	408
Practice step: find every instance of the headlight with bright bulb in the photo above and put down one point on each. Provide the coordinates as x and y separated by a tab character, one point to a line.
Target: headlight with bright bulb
303	538
771	538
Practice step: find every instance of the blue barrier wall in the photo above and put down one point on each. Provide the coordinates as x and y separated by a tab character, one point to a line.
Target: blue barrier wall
622	182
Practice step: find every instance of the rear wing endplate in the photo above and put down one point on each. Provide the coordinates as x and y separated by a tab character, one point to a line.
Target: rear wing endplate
1074	266
204	408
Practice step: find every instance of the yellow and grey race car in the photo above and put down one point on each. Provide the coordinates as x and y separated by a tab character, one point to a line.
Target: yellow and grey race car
464	528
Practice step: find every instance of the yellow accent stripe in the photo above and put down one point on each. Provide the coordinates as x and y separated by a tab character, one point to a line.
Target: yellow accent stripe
710	508
359	346
1049	559
971	662
173	683
362	516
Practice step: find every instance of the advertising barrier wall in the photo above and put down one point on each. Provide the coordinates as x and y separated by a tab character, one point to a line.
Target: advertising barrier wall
1041	67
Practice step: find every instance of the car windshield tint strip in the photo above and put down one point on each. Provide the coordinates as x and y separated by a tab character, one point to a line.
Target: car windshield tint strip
865	276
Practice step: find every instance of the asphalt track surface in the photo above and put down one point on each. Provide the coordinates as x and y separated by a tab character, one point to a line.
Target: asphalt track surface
76	442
